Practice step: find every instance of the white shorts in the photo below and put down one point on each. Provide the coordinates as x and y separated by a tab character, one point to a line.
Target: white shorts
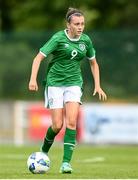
56	97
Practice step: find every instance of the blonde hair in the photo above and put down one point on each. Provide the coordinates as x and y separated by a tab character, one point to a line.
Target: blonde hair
73	12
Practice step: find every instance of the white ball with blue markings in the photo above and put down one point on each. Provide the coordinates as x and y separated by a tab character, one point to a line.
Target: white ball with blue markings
38	163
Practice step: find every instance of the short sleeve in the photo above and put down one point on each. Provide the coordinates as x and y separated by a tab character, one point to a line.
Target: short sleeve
49	46
91	53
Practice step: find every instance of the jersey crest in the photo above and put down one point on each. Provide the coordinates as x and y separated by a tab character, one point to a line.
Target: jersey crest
82	47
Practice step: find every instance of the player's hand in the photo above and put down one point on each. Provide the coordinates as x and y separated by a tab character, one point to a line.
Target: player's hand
101	93
33	86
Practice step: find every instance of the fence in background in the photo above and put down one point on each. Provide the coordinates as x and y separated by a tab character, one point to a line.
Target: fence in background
26	123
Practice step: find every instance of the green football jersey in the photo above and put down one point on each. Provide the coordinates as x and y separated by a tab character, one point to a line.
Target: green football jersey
64	68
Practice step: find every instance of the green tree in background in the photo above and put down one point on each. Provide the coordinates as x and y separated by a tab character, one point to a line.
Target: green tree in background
49	15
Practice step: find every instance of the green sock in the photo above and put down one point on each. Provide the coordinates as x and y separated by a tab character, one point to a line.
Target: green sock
69	144
49	139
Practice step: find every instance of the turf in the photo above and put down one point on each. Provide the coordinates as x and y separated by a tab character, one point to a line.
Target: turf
89	162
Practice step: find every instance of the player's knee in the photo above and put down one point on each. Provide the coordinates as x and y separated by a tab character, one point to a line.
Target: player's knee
71	125
57	127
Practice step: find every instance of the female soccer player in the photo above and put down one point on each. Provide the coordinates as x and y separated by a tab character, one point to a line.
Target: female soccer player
64	81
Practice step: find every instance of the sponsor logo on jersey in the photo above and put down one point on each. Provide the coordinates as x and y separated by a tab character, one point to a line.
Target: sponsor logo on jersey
82	47
66	45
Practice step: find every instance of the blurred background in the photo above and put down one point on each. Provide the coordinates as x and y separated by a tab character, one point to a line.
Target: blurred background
113	27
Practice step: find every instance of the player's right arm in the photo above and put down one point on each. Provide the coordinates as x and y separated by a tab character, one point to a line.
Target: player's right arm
33	86
48	48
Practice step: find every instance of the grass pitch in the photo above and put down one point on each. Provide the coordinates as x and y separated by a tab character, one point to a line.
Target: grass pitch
89	162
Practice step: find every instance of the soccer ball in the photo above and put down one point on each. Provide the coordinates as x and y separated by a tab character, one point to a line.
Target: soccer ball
38	163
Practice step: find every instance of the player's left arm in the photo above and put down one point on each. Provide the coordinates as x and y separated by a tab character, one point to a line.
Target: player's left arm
96	75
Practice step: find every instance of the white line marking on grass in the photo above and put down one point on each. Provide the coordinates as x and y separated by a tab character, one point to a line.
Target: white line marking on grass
93	160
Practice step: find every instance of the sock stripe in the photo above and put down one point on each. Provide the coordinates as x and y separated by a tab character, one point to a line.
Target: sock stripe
49	139
69	144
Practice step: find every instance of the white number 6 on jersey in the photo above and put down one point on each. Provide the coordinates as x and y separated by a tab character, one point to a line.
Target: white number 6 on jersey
74	54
